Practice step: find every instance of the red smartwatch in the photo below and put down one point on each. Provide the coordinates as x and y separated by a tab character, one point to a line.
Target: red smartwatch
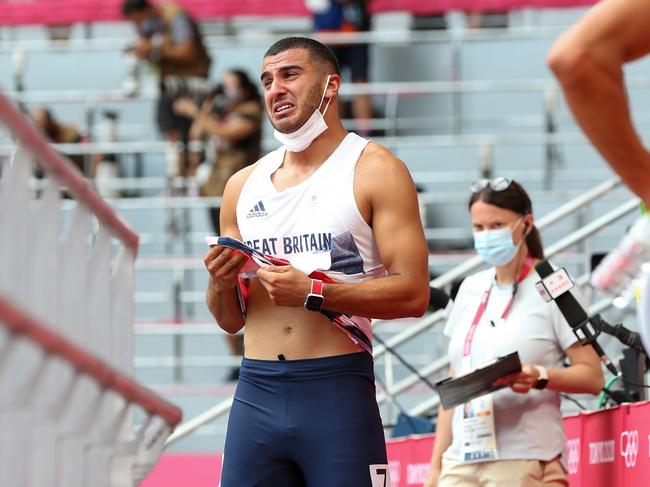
314	301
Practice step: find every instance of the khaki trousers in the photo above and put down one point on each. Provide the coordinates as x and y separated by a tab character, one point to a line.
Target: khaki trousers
503	473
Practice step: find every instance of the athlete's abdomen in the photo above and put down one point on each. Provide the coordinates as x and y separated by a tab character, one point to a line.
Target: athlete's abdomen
291	331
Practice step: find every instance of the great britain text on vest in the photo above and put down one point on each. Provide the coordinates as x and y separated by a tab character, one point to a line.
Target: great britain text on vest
293	244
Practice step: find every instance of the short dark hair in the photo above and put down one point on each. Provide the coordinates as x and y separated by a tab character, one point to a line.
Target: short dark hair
513	198
132	6
317	50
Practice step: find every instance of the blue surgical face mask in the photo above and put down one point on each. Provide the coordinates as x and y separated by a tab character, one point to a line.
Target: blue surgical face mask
495	246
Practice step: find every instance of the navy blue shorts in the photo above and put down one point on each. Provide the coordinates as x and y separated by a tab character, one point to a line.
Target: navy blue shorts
308	423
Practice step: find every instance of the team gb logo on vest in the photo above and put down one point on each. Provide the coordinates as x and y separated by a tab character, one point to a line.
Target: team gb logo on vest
630	447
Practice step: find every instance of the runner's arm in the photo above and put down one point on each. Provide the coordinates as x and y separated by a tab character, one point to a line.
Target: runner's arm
223	264
387	199
588	60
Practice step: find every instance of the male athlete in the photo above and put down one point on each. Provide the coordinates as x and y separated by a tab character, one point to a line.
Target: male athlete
304	412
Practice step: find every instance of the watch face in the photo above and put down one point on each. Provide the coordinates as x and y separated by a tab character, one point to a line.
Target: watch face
314	302
541	384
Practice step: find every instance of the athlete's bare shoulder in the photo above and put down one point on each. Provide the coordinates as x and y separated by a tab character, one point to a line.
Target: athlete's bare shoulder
377	153
379	178
237	181
378	165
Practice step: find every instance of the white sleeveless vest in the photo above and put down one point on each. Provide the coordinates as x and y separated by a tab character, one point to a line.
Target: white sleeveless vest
315	225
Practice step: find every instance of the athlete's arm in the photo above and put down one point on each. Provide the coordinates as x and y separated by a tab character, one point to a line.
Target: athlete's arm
386	197
588	60
224	264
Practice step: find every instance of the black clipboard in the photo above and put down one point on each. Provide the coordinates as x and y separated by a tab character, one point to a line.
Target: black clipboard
455	391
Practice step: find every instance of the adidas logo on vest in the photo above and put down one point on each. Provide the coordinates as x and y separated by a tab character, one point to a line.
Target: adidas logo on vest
257	211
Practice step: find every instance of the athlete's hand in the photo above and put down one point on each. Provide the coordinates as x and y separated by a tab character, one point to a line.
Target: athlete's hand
521	382
286	285
223	264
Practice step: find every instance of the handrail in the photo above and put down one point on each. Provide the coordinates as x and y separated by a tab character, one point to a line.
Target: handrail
252	38
189	426
371	88
107	377
437	179
190	202
69	176
404	141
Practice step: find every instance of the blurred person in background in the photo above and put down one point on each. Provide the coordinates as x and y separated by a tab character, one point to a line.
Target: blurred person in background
232	121
58	132
106	166
348	16
513	437
171	41
487	19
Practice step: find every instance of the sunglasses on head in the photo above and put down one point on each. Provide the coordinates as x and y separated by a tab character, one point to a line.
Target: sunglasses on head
496	184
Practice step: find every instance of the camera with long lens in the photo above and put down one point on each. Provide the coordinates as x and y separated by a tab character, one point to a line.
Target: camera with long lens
195	87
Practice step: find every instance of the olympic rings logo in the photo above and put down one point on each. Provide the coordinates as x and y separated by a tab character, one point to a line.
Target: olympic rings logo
573	450
630	447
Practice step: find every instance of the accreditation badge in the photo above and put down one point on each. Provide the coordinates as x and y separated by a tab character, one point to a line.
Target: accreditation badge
479	441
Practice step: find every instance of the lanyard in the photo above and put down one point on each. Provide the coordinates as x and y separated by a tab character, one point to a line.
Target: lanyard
525	269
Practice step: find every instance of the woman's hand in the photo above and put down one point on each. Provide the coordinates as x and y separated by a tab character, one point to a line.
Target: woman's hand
521	382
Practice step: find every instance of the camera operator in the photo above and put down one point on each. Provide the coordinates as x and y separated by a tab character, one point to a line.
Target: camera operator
171	41
231	119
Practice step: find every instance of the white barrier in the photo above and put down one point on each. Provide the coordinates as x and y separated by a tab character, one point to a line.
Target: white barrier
66	331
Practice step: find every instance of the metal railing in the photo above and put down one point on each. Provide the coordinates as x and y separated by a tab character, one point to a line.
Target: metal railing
252	38
393	389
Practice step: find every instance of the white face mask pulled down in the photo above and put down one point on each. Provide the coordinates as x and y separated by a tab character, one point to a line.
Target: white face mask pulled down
299	140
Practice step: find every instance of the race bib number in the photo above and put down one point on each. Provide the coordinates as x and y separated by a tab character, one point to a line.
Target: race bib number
380	476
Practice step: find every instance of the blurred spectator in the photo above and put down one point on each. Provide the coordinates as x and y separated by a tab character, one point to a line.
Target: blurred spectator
348	16
231	121
487	19
171	41
58	132
59	32
105	166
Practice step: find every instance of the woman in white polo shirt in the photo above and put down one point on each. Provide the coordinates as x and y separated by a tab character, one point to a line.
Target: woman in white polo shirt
513	437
